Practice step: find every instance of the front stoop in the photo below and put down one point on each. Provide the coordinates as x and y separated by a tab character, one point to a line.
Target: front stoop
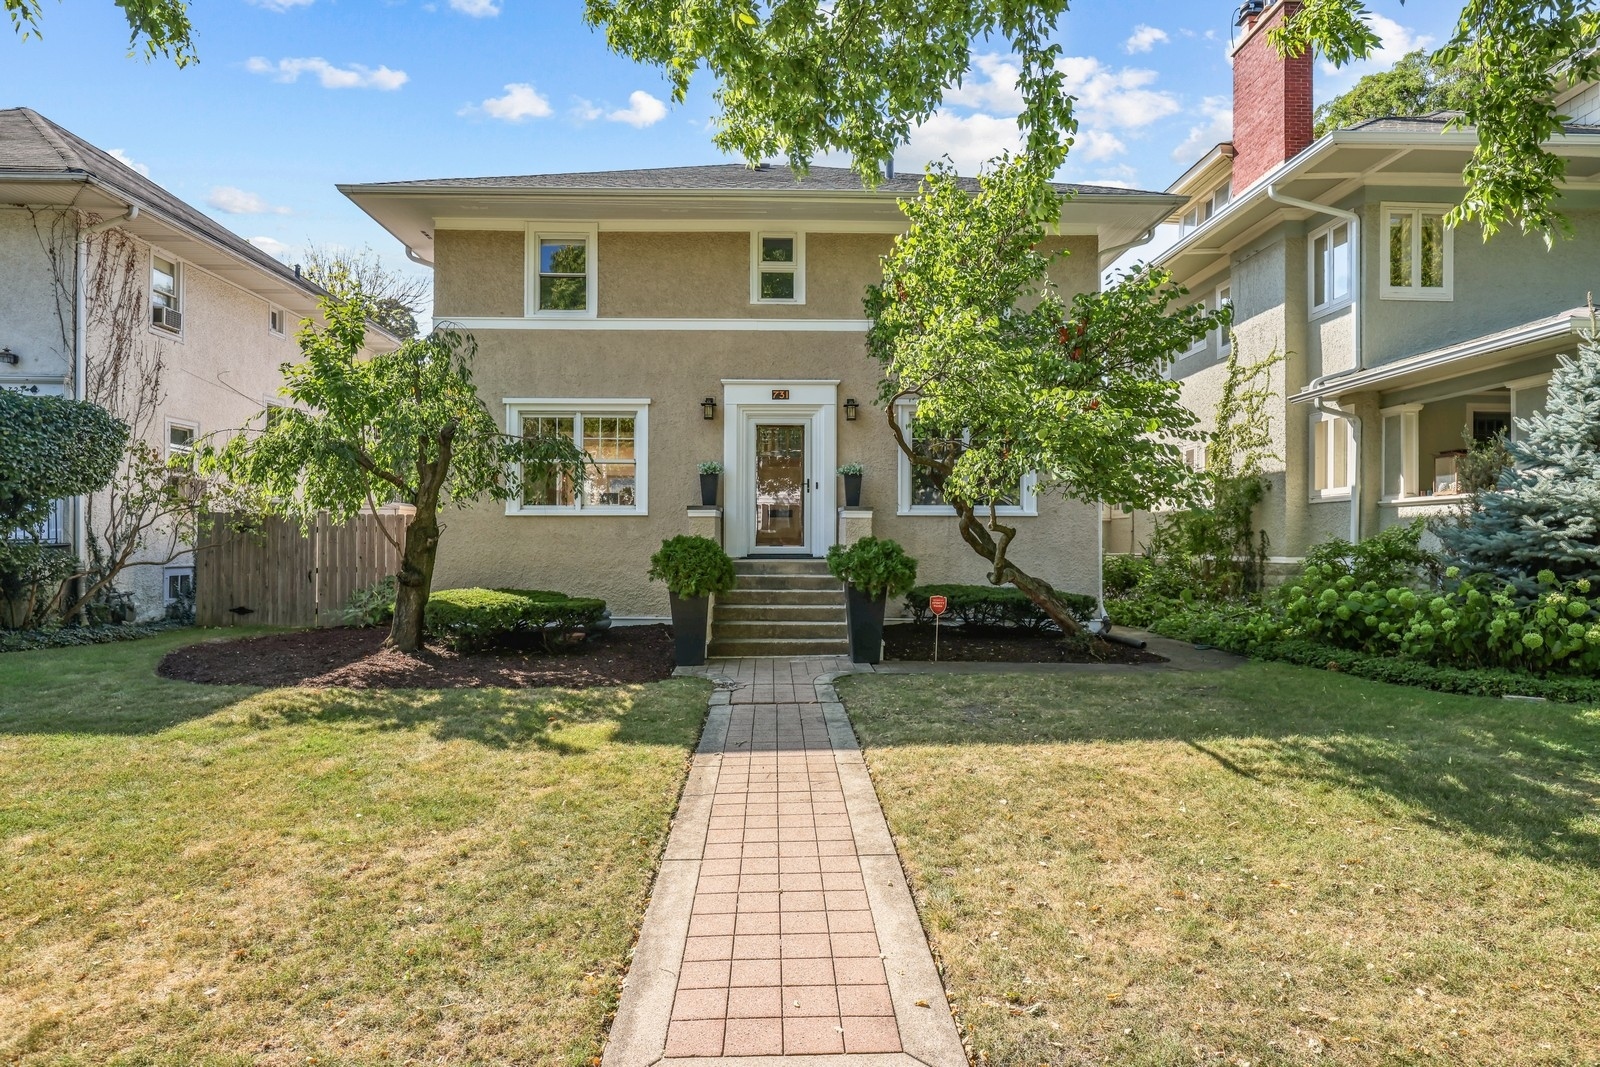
780	607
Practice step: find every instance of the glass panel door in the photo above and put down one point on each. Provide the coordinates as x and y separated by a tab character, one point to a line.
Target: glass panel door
781	478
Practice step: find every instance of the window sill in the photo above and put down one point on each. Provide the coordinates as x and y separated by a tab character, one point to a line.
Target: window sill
1437	295
945	512
1330	496
1328	309
1413	501
572	513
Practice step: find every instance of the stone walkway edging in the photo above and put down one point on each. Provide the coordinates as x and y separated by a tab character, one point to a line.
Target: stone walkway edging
928	1034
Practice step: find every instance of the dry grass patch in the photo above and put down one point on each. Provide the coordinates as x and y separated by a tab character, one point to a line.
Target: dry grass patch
199	875
1265	866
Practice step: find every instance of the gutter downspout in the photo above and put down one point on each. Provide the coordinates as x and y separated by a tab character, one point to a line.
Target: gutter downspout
80	346
1115	252
1358	328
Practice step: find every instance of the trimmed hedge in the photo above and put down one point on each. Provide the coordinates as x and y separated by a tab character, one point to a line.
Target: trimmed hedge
73	636
1000	606
470	620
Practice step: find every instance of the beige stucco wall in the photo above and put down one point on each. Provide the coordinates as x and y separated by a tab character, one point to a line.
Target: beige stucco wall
31	305
219	372
478	272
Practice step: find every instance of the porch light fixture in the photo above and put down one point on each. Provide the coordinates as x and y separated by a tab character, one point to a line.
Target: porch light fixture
708	408
851	408
8	356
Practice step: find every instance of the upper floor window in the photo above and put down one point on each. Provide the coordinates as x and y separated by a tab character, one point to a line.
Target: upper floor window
614	434
275	321
1417	253
1330	267
166	309
919	492
1224	333
777	268
562	281
1199	343
1207	206
180	437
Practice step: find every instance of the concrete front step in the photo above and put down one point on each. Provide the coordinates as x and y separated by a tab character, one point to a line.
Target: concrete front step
788	581
780	597
777	646
830	610
780	566
788	630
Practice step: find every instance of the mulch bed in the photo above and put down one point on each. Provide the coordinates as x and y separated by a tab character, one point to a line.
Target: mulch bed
356	659
970	644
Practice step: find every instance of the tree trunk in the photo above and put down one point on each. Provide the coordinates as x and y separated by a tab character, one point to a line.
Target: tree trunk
415	581
1003	571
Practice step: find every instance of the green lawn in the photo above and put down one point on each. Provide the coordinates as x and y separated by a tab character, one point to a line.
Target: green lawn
1269	866
198	875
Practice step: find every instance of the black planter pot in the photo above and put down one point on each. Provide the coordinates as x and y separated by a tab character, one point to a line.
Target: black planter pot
708	490
866	625
852	490
689	616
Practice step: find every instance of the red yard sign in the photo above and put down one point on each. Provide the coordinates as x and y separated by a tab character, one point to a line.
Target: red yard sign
938	604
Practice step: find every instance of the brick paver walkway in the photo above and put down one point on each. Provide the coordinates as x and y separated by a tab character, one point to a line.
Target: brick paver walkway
781	925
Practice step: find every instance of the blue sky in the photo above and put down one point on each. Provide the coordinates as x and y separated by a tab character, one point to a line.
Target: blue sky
292	96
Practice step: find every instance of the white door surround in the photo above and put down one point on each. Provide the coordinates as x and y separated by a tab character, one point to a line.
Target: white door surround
747	402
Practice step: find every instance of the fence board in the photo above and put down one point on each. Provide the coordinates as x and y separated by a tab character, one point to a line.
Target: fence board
278	575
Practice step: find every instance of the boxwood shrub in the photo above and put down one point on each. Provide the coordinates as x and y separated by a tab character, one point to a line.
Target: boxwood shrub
471	620
1001	606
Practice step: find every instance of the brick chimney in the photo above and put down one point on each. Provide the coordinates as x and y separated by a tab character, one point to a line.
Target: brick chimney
1271	95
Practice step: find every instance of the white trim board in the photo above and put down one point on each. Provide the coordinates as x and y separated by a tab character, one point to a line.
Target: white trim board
792	325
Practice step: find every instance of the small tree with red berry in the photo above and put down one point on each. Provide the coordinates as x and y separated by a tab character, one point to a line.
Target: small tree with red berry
1011	381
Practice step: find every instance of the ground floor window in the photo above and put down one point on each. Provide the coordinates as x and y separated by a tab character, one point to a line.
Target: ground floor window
179	584
919	494
614	436
1332	456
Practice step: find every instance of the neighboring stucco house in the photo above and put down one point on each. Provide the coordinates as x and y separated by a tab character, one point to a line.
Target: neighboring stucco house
667	317
1399	333
101	265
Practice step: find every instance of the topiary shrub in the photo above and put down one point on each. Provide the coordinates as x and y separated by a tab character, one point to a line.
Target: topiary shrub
692	566
371	605
875	566
472	620
997	606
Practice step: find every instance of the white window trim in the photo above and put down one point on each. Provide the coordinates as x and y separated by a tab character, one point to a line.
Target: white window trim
1410	448
1474	410
1338	303
179	269
1417	292
903	412
1339	492
168	449
166	576
517	407
283	319
799	266
1201	343
1224	333
561	231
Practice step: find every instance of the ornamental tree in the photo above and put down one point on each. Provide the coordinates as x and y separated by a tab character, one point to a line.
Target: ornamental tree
1010	380
52	447
1545	513
405	426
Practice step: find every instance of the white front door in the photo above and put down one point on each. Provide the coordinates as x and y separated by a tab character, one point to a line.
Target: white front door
779	451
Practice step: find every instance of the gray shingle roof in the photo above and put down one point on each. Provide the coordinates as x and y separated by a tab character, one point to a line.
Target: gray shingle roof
728	177
31	144
1436	122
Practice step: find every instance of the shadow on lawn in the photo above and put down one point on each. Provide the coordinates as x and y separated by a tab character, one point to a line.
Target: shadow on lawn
1524	776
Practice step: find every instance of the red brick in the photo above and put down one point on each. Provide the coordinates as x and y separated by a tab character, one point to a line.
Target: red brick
1272	102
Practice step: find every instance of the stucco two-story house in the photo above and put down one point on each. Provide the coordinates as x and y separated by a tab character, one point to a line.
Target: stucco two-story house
104	277
1400	334
673	316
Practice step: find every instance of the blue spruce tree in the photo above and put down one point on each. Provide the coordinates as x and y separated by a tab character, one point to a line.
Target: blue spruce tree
1545	513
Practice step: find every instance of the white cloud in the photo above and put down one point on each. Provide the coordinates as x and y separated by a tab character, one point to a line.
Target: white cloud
1217	111
642	110
1121	99
1092	145
122	157
478	9
355	76
272	247
585	110
1398	41
968	141
519	103
235	201
280	5
1144	38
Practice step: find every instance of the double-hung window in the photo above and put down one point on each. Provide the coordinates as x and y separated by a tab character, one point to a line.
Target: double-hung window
1417	252
919	492
1331	269
777	268
613	434
1332	457
179	584
275	319
180	437
166	294
562	281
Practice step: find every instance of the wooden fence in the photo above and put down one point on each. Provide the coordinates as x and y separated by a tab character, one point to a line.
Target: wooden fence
279	576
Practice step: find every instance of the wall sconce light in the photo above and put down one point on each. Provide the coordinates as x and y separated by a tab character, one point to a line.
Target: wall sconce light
850	409
8	356
708	408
